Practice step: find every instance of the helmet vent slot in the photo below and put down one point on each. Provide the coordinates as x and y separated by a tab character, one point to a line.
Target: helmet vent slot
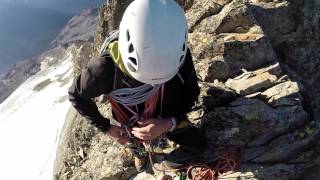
131	48
128	36
131	68
181	59
184	47
133	60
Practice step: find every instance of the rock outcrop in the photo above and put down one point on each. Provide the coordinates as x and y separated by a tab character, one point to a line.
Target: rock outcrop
110	15
257	75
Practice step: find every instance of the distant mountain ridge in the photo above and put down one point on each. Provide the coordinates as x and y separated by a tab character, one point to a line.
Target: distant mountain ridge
26	32
28	27
62	6
79	28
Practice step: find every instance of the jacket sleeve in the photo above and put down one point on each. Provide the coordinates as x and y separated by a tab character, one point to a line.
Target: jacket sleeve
190	89
95	79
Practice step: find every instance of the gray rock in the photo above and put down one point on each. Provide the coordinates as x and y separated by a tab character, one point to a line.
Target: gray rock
200	10
293	28
248	51
279	171
86	153
204	45
215	95
289	145
283	94
82	52
256	81
250	122
235	17
232	52
110	15
279	29
212	69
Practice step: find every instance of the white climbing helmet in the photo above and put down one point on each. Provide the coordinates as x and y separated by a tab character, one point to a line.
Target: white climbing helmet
153	40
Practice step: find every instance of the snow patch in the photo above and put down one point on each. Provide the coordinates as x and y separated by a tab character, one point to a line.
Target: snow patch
31	121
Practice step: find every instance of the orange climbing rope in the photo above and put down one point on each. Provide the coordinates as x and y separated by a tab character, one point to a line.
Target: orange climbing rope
225	164
200	172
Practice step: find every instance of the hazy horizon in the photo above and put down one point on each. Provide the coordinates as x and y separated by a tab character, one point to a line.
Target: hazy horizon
62	6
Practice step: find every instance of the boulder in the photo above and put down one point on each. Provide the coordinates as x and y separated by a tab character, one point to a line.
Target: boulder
201	10
256	81
204	45
277	18
234	17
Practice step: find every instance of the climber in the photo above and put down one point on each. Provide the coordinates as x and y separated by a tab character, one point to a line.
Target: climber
147	73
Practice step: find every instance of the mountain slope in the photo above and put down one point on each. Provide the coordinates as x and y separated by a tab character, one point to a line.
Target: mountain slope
17	75
26	31
80	27
31	119
28	26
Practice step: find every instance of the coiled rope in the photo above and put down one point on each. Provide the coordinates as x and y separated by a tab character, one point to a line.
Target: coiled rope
225	164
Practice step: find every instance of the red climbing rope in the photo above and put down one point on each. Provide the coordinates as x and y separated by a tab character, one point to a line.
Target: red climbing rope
149	109
226	163
200	172
121	116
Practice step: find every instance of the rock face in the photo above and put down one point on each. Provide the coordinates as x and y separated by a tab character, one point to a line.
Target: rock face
256	67
110	15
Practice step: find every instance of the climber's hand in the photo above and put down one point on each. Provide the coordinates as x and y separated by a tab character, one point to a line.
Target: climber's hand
117	134
151	128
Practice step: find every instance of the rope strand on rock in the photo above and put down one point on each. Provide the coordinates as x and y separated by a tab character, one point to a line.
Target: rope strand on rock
226	163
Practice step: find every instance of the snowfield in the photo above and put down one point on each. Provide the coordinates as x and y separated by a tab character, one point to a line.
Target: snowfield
31	120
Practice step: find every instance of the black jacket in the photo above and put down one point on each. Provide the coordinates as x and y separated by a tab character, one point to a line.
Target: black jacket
97	78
